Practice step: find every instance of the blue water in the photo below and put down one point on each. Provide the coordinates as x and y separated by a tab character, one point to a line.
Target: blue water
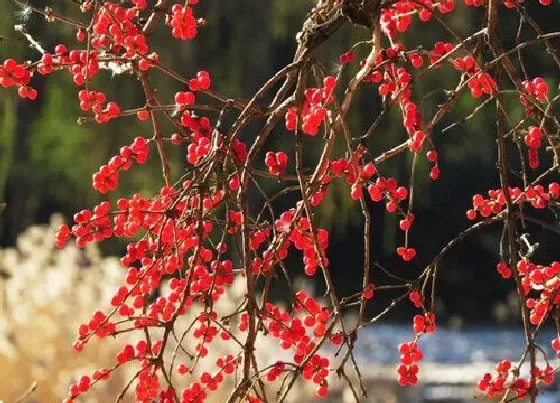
379	344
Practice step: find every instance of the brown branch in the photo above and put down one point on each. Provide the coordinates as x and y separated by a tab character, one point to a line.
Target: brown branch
158	136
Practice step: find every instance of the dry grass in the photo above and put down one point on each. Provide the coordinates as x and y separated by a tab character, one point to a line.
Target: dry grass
48	293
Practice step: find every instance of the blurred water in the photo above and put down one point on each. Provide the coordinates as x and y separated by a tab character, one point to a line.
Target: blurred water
378	344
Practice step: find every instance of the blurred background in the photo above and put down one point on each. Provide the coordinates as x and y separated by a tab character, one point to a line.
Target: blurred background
46	162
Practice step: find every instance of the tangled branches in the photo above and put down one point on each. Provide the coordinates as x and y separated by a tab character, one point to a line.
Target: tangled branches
205	228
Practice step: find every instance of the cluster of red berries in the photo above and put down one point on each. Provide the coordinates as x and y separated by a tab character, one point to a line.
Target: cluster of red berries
84	383
537	89
184	98
107	178
114	20
479	82
62	236
416	298
83	65
410	353
406	254
81	386
424	323
465	64
148	385
474	3
398	18
317	370
416	60
234	219
388	188
545	280
302	237
382	188
133	215
347	167
276	162
347	57
291	330
228	363
200	139
533	140
164	308
94	100
432	156
408	367
135	45
313	111
238	150
211	382
194	394
537	196
258	237
315	317
275	371
183	22
201	82
496	387
440	50
198	149
394	82
13	74
114	28
88	227
98	325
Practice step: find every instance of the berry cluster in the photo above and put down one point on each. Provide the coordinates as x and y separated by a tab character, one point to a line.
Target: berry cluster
424	323
183	22
496	387
312	243
201	82
88	227
441	49
317	370
398	18
408	367
347	57
13	74
537	88
537	196
314	111
533	142
416	298
94	100
200	138
479	82
107	178
545	280
276	162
